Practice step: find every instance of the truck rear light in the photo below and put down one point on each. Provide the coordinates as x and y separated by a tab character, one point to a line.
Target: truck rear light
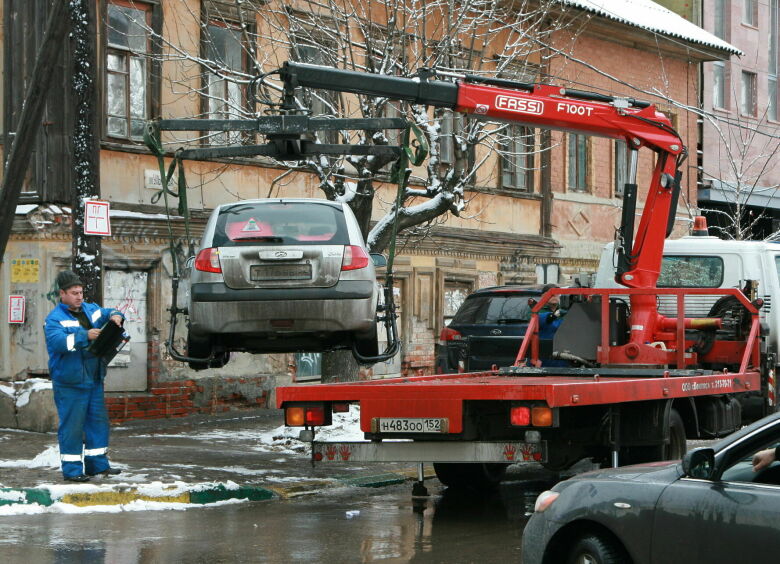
355	258
208	261
541	416
520	416
306	415
448	334
340	407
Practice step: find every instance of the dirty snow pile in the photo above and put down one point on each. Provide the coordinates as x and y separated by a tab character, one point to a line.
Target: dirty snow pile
346	427
22	391
49	458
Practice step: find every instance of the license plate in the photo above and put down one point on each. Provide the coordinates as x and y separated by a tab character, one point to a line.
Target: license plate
411	425
264	272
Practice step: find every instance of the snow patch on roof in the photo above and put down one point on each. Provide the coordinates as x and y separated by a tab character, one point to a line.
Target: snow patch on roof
646	14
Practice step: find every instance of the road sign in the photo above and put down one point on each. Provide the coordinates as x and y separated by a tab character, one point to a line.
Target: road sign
16	306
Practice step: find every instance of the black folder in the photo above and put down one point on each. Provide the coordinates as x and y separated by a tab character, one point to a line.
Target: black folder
110	341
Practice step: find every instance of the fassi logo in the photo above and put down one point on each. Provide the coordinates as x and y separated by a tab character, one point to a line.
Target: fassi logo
520	105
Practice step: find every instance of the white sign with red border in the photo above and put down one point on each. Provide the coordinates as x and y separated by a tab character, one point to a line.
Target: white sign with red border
96	220
16	305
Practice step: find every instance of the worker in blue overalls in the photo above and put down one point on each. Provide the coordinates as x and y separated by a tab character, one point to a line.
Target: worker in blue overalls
77	377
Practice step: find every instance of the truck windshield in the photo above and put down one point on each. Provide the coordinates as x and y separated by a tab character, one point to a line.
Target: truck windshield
494	309
691	272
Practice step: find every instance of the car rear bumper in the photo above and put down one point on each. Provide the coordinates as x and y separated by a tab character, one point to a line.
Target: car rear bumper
350	306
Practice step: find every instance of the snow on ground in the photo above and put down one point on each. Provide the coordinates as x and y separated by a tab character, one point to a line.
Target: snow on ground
48	458
32	385
138	505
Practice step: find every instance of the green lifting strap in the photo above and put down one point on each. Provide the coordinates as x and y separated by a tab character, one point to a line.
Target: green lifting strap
153	141
414	152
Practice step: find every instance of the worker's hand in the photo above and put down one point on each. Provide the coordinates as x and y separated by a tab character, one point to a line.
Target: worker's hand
117	319
93	334
763	459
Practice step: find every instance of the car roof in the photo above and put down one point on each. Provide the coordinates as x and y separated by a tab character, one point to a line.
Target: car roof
508	288
318	201
737	436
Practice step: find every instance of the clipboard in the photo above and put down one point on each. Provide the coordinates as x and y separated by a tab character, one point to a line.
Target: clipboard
111	340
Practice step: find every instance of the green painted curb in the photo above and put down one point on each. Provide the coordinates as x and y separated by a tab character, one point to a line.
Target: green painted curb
221	493
30	495
376	481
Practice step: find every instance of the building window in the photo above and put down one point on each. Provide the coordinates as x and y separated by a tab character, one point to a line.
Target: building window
454	128
774	22
517	158
720	15
578	162
749	12
719	84
748	94
226	62
127	69
455	293
621	167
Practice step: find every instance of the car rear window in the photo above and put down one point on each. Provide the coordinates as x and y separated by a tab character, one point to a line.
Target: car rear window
280	223
493	309
691	272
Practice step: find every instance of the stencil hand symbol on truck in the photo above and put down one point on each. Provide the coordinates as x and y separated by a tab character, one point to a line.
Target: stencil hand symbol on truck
330	452
345	453
509	452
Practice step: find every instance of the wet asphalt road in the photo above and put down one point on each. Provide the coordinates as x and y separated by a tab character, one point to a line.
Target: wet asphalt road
346	525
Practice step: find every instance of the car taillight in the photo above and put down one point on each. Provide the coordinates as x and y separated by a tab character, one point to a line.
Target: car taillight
354	258
448	334
545	500
208	261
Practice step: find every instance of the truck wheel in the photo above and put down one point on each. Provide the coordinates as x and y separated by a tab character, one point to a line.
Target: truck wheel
478	476
674	450
596	549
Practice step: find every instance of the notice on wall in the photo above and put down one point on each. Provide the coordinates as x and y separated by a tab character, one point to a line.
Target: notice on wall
96	220
16	306
25	271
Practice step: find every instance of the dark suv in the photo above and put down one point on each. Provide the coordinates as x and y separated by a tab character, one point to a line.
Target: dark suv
487	330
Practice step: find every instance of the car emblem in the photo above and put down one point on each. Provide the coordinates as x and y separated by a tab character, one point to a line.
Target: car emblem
280	254
495	332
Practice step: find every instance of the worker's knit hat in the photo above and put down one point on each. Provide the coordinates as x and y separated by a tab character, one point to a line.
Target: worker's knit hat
68	278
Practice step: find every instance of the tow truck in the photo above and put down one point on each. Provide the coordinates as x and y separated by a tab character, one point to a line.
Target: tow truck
637	383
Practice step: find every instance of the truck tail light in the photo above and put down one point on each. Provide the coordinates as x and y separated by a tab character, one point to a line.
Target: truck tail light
305	415
448	334
208	261
355	258
340	407
541	416
520	416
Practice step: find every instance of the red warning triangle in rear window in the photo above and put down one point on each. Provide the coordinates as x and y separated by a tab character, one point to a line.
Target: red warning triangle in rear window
252	225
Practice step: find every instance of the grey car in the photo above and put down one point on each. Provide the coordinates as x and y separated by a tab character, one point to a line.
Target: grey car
281	275
710	507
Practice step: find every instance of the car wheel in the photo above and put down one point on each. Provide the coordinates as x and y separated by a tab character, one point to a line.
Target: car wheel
367	345
477	476
597	549
198	348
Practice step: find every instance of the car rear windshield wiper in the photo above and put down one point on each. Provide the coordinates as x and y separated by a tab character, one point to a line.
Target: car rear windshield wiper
511	320
264	238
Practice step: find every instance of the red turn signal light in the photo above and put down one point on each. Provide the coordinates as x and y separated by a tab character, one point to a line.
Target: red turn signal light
355	258
340	407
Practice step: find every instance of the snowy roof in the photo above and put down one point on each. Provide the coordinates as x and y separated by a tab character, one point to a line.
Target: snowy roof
646	14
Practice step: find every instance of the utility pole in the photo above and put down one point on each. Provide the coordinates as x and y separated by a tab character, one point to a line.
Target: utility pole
87	251
18	156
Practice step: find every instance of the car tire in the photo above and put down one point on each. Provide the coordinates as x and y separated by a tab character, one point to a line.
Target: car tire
597	549
367	345
198	348
478	476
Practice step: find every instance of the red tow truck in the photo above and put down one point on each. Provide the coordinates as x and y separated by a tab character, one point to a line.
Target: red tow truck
637	383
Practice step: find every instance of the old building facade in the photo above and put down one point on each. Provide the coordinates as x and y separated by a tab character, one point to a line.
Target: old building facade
538	210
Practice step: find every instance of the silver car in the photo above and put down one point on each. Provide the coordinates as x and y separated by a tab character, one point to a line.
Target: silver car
281	275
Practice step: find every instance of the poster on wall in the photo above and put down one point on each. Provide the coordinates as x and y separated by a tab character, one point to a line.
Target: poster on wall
16	305
96	218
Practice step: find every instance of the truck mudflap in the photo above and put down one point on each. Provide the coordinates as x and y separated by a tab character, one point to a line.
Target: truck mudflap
430	451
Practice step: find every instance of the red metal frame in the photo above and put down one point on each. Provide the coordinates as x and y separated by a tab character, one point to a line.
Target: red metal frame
745	353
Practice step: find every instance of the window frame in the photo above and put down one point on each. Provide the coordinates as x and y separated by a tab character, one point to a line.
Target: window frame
748	79
750	13
580	170
724	90
521	143
154	14
720	14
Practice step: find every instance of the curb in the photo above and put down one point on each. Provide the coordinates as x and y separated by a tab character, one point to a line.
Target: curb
195	494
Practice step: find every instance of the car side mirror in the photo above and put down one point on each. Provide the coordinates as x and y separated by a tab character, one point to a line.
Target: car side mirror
699	463
379	260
